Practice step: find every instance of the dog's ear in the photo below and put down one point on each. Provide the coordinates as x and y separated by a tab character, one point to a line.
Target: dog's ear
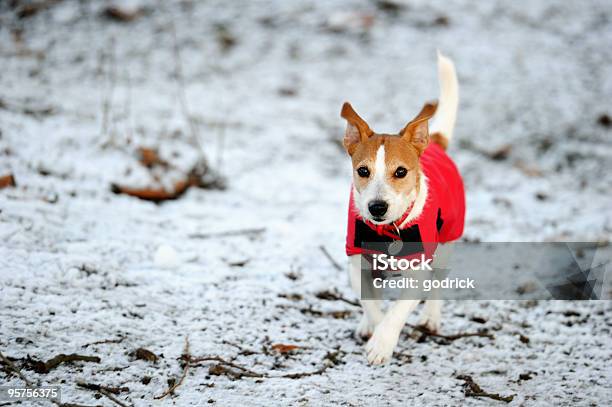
357	130
427	111
417	131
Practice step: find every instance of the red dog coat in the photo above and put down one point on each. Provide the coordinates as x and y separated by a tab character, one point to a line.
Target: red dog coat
441	220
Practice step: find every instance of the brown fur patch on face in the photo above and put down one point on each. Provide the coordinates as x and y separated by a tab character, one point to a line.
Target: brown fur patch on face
364	155
398	153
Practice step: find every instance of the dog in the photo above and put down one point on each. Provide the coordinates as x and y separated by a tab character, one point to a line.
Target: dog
405	188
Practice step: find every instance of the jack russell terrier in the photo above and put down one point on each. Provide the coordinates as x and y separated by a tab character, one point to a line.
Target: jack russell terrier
405	188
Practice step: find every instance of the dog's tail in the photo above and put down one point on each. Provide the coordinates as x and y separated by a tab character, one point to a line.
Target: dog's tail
443	123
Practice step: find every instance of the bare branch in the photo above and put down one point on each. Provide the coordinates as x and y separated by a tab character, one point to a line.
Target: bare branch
248	232
106	391
330	258
449	338
14	369
186	357
472	389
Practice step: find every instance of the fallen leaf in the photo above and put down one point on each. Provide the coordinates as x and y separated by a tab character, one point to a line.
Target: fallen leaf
152	194
149	157
7	181
122	14
145	354
282	348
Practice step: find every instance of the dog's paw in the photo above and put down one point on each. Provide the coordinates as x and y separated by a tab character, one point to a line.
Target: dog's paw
430	322
365	329
381	345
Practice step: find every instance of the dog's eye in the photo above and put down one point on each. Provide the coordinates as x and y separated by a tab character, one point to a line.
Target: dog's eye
363	172
400	172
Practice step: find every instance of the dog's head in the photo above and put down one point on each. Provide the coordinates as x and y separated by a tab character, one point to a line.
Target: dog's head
386	169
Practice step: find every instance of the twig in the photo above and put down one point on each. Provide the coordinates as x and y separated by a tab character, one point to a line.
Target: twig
14	369
106	391
239	232
117	340
57	403
202	170
186	357
7	362
453	337
45	367
220	369
225	367
472	389
107	100
330	258
220	146
127	107
180	79
300	375
243	351
339	314
332	358
113	398
32	8
99	387
335	296
23	108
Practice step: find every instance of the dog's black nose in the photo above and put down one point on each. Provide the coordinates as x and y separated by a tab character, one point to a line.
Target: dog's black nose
378	208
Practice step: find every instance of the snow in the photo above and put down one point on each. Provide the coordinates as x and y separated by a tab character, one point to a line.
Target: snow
79	264
166	257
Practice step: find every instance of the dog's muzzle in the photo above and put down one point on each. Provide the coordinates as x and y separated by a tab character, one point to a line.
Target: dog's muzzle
378	208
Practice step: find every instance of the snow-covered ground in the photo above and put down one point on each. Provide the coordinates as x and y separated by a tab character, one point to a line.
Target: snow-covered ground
263	83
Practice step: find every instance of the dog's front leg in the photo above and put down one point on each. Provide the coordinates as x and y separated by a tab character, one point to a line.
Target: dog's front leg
382	343
431	316
372	313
